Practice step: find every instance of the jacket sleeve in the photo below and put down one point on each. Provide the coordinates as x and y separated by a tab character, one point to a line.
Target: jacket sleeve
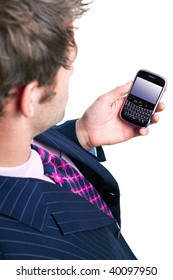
68	129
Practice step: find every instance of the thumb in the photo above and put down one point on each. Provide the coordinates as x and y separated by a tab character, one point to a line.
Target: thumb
123	90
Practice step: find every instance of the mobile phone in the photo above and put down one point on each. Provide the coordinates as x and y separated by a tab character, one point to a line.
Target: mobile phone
141	102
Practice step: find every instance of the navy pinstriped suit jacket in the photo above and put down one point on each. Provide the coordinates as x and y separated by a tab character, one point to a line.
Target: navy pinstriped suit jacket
38	220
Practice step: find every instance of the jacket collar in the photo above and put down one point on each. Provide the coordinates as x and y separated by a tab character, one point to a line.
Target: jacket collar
68	147
33	201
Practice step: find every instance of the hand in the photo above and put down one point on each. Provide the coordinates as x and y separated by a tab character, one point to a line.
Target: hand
101	123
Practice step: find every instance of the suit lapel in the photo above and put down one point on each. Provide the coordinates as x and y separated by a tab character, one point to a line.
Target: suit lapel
33	202
59	141
98	175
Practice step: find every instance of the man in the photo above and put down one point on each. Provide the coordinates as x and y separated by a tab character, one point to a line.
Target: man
72	212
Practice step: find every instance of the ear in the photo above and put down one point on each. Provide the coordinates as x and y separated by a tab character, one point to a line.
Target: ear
29	98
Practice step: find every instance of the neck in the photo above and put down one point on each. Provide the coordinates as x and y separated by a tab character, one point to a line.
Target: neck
14	145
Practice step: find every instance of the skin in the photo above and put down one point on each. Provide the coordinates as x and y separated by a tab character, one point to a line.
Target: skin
25	117
101	123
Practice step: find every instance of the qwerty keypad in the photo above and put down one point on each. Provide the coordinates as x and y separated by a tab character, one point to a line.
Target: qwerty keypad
136	112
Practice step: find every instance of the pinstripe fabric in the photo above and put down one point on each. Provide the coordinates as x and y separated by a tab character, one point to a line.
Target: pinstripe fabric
87	163
63	172
40	221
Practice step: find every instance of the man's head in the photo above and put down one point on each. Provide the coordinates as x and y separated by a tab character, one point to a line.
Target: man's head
36	37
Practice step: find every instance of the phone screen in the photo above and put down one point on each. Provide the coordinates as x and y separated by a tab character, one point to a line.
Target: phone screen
146	90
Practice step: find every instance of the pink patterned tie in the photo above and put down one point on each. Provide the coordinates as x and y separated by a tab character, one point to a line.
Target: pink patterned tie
63	172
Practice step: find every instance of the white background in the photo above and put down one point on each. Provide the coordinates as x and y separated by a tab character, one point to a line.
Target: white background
115	40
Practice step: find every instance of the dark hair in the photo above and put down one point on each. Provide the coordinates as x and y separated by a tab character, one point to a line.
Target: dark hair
35	36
